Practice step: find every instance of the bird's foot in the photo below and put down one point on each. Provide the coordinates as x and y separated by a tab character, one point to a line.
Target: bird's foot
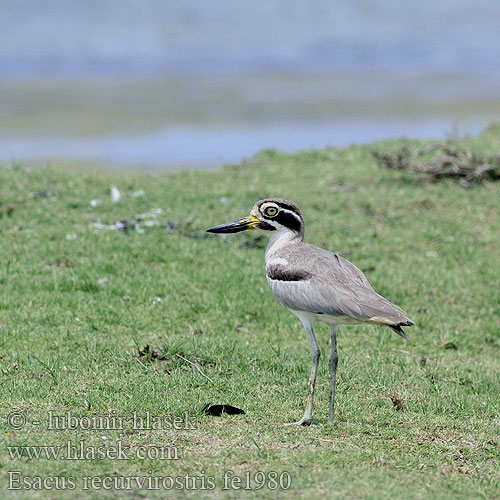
303	421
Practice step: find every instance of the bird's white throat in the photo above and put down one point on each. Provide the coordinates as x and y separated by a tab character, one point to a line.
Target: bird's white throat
280	238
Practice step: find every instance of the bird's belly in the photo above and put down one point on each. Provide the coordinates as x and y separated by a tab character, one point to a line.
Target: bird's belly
336	320
300	297
325	318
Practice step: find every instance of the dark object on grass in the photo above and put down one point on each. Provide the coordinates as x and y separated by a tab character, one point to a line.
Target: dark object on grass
41	194
218	410
397	401
147	353
443	161
449	345
8	210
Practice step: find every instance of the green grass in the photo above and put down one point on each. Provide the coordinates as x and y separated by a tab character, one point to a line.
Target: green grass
75	312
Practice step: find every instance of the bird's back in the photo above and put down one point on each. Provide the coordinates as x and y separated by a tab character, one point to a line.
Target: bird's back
308	278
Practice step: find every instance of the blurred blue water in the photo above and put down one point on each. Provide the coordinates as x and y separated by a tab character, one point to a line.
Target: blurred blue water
195	147
46	40
81	37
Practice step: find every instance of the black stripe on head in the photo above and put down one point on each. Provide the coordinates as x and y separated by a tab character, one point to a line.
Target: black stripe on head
281	202
289	220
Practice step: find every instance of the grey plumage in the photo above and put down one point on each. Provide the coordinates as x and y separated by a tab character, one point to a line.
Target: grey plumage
330	285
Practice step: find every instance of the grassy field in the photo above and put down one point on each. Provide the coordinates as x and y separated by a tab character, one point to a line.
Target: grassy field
165	318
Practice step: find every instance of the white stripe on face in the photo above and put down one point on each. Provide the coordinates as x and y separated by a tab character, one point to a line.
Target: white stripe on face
281	210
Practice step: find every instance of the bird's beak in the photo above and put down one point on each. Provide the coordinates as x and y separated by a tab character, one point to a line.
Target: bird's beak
236	225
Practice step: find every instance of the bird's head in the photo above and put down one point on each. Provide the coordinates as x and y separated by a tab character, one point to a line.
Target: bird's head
271	214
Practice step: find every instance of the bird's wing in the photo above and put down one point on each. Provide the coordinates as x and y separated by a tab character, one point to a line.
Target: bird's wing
308	278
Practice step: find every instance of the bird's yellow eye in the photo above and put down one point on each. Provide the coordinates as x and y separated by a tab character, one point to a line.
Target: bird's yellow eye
270	212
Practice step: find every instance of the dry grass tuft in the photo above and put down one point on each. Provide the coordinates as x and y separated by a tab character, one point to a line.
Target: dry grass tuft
443	161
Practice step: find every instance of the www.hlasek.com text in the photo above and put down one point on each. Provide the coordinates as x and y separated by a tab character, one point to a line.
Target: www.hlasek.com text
80	450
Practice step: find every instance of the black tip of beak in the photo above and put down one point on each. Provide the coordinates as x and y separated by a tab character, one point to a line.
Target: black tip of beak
231	227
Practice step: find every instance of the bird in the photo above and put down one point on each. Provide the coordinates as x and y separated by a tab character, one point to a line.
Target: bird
315	285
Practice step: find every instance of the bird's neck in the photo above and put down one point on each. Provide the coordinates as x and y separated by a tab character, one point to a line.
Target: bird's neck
280	239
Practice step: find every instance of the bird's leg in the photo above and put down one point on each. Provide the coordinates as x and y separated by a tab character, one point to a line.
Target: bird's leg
315	355
333	369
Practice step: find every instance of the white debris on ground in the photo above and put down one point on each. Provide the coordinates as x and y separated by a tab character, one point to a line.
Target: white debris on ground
97	224
148	219
153	213
71	236
137	194
151	223
115	194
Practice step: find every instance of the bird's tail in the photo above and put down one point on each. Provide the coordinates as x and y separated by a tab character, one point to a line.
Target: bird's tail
397	328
